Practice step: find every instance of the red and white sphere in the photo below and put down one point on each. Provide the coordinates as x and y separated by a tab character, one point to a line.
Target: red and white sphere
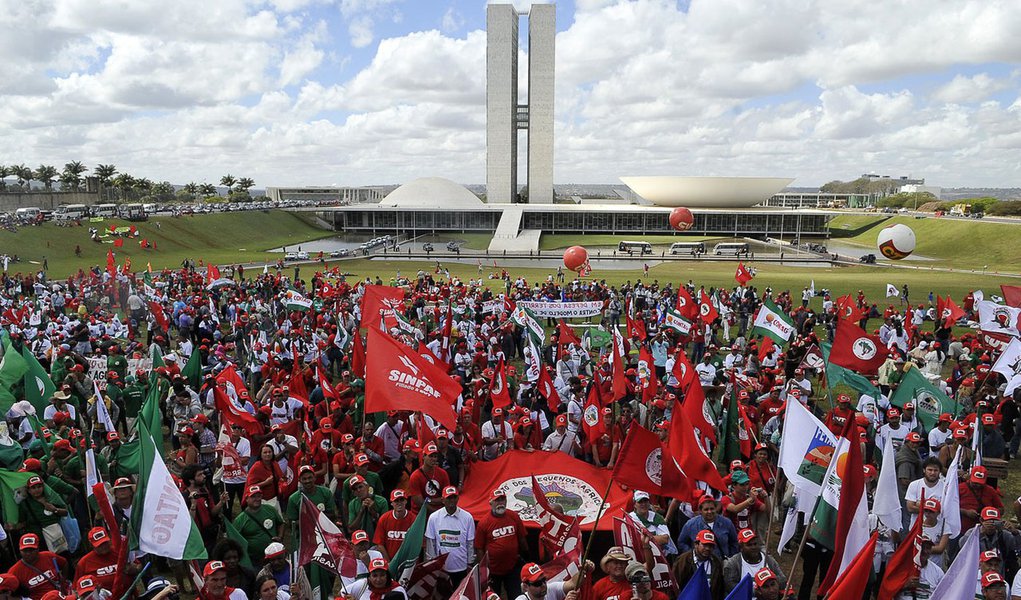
896	241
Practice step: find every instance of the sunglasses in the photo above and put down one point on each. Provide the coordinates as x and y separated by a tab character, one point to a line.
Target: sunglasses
539	583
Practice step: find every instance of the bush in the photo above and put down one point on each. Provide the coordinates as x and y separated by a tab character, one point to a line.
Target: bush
1006	208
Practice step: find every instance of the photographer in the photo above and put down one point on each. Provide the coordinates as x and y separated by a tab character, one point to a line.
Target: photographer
744	504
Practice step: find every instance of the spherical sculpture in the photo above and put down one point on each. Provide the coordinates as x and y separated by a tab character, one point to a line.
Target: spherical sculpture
896	241
576	258
681	219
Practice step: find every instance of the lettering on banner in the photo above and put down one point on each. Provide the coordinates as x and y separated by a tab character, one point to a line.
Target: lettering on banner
97	370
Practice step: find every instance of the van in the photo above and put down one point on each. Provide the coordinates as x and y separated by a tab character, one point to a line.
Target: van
104	210
132	212
692	248
734	248
28	214
71	212
632	247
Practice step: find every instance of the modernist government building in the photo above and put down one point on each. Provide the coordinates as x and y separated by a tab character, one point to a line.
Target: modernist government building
724	206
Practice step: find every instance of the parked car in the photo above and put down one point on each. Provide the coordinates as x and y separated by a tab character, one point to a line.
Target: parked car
302	255
291	256
427	247
340	253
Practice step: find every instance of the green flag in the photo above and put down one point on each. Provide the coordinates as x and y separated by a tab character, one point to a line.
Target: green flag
235	535
150	415
730	446
38	385
411	547
128	456
192	371
42	433
836	375
774	322
12	488
11	456
929	401
527	320
157	357
12	371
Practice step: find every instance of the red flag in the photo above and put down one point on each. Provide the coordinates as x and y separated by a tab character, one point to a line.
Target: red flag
855	349
698	411
358	356
547	390
765	347
424	577
212	274
592	422
686	304
159	316
378	305
683	371
629	533
296	382
1011	295
323	543
903	564
567	335
706	310
848	310
635	327
558	532
231	415
397	378
949	311
647	375
563	565
498	391
329	393
111	263
686	447
851	585
644	463
474	586
852	491
617	363
745	429
118	243
743	275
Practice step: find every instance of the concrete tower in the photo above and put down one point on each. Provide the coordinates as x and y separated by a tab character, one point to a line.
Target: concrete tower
504	116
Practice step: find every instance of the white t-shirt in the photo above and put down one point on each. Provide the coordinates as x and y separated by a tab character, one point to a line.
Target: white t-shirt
554	591
929	576
914	492
453	535
937	438
706	373
489	430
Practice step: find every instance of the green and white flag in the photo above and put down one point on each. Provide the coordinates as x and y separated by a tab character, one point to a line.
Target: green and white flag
13	368
38	385
294	300
403	324
343	339
929	401
673	320
824	519
160	522
772	321
526	318
806	450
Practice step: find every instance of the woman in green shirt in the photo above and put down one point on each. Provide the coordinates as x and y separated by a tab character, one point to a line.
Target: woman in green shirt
40	508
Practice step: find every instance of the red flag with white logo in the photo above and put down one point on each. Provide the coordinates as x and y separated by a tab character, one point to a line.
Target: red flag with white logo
686	446
848	310
686	304
498	391
706	311
645	463
323	543
547	390
743	274
397	378
855	349
379	304
631	534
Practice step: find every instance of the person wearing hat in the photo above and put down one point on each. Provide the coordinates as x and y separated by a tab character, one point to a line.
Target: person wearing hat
708	517
1002	536
993	444
534	584
235	456
214	576
761	469
525	435
893	430
941	434
614	563
362	467
101	562
427	482
497	434
638	576
562	440
959	439
307	488
259	523
749	560
989	561
378	583
702	555
451	459
744	505
934	527
908	461
58	404
365	507
975	496
931	483
994	586
266	474
654	522
502	534
40	513
451	531
929	574
394	524
38	571
159	588
371	446
277	568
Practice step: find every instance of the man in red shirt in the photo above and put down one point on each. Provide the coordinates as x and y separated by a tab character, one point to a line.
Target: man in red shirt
502	534
35	571
976	494
215	588
615	583
101	563
428	481
393	525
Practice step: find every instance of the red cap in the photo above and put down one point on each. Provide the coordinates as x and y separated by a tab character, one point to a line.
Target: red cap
892	413
200	418
449	491
931	504
62	445
704	499
705	537
989	555
411	444
431	449
763	576
32	464
990	513
355	480
97	536
112	435
870	471
361	459
978	475
29	540
960	434
913	437
496	494
306	469
745	535
326	424
531	572
988	419
561	420
991	578
122	482
945	417
85	584
398	494
252	490
497	412
347	438
359	536
34	481
212	567
378	563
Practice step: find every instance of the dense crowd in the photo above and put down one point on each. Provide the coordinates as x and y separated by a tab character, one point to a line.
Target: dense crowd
256	381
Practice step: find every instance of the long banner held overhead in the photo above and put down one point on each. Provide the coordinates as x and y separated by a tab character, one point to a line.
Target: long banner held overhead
563	310
576	486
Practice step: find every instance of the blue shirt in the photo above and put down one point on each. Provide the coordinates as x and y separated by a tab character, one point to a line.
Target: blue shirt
723	528
659	354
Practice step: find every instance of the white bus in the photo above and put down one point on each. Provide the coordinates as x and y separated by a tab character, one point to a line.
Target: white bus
735	248
692	248
71	212
27	214
104	210
132	212
632	247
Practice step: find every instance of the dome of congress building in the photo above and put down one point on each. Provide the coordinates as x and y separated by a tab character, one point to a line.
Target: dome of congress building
432	192
706	192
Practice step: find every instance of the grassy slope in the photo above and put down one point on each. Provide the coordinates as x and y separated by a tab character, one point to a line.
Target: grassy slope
852	224
218	238
972	243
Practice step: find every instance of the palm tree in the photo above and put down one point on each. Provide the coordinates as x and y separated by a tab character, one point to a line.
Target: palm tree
5	172
229	181
24	175
143	186
75	169
163	191
46	174
124	183
207	190
244	184
105	173
191	188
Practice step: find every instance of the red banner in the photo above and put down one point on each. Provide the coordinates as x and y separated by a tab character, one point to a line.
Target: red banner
573	484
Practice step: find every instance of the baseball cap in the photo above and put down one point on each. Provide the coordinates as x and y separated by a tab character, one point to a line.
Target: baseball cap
112	435
361	459
122	482
892	413
359	536
355	480
531	573
97	536
704	499
274	550
29	540
992	578
945	417
913	437
931	504
989	555
497	493
34	481
990	513
498	412
561	420
960	434
306	469
449	491
763	576
745	535
736	465
870	471
378	563
705	537
640	495
212	567
978	475
739	477
988	419
347	438
85	584
253	490
431	449
62	445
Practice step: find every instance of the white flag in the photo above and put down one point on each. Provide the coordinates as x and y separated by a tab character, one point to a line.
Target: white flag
886	505
892	291
1009	365
997	318
102	414
805	453
91	474
951	499
959	580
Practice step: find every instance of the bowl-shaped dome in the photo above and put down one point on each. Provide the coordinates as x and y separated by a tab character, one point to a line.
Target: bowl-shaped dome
707	192
432	192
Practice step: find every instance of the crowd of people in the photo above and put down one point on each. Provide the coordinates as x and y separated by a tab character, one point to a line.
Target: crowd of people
108	340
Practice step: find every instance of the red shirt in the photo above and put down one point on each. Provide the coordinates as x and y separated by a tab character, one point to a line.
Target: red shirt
503	538
103	569
376	445
606	589
390	531
39	578
762	476
742	520
261	472
976	501
656	595
427	485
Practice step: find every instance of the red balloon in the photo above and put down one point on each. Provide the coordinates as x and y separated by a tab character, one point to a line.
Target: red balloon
575	258
681	219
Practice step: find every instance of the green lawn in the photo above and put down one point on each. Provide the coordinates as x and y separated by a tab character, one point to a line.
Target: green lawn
847	225
219	238
966	244
599	240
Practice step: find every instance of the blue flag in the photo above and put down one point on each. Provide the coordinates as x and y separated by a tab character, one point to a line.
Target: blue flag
697	587
743	591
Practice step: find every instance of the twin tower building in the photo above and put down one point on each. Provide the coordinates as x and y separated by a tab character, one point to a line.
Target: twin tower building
506	115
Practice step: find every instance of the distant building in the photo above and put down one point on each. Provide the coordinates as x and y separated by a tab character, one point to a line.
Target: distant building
915	188
345	195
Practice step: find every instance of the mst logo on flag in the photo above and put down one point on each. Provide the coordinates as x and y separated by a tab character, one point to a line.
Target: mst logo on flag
864	348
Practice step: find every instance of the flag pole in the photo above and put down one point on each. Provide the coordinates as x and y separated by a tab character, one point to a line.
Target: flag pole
592	535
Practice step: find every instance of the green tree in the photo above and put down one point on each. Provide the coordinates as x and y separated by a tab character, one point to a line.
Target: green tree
207	190
46	174
143	187
25	176
75	169
229	181
244	184
191	188
163	191
105	174
124	184
5	172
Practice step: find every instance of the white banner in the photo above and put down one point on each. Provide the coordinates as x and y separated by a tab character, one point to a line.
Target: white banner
563	310
97	370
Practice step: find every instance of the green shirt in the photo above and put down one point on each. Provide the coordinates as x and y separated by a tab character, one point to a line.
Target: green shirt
33	515
320	496
371	479
118	364
134	395
75	467
368	521
258	528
